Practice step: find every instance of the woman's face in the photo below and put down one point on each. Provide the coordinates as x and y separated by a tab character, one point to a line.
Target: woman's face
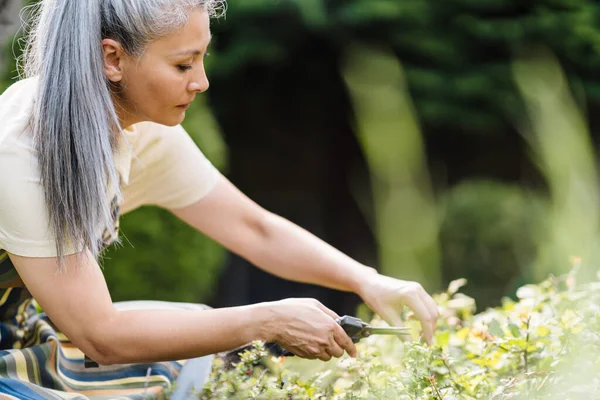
160	85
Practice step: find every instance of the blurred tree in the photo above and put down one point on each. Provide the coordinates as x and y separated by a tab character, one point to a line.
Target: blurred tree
457	55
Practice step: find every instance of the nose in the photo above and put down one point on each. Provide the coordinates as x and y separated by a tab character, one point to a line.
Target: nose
199	83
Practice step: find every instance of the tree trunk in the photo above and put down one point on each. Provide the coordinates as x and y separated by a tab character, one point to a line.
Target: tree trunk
293	150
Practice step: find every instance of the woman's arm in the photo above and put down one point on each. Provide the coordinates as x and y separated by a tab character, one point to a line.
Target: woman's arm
272	242
79	303
286	250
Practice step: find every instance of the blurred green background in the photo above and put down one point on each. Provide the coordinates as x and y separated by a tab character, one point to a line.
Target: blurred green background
430	140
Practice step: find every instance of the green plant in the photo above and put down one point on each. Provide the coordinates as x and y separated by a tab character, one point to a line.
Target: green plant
545	345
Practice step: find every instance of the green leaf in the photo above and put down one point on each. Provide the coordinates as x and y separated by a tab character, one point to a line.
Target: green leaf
495	329
514	330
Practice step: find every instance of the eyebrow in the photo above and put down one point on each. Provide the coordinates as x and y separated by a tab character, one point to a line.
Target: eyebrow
191	52
187	53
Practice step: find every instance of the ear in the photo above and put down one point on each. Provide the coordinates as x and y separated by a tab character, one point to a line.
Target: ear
113	59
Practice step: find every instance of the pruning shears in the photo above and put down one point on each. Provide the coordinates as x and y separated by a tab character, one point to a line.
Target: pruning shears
357	329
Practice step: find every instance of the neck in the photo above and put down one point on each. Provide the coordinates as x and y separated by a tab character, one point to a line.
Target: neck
126	117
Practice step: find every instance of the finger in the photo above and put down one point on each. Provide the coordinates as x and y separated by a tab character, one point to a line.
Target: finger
324	357
423	315
344	341
299	352
432	307
334	350
391	316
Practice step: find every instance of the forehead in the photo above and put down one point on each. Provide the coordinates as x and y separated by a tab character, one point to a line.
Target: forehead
194	36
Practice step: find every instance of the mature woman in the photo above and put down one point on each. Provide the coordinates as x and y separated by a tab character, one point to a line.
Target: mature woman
93	132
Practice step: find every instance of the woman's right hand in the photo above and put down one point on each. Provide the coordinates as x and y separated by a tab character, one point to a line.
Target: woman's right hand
307	328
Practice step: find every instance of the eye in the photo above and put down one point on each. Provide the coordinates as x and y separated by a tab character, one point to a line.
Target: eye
184	68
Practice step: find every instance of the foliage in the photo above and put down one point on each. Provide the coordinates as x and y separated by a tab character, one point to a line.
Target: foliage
488	233
159	253
545	345
457	54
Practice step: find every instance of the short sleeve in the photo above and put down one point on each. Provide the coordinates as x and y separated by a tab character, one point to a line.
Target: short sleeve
24	227
168	169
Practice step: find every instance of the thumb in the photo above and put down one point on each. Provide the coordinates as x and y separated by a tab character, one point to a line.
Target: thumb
394	318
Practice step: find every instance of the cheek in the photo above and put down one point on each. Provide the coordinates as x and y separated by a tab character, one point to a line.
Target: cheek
166	88
156	90
140	91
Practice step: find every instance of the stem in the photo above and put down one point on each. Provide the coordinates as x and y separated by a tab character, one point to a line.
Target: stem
437	392
501	347
526	354
257	386
445	361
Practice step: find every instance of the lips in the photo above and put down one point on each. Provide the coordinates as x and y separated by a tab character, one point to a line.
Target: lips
184	106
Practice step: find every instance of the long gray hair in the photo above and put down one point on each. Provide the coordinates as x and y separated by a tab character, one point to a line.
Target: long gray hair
75	125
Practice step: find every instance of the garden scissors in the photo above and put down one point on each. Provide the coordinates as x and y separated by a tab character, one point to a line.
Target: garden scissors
358	329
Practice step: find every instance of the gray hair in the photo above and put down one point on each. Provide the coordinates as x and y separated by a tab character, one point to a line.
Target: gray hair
75	124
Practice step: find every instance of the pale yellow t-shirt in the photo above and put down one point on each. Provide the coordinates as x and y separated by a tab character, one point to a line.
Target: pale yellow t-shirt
165	169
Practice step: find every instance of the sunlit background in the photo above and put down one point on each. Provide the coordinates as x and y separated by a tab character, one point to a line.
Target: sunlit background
431	140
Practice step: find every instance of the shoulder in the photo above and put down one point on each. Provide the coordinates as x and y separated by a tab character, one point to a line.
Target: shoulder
169	170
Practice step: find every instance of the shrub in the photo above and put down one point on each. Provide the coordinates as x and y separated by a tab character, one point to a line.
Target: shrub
545	345
489	232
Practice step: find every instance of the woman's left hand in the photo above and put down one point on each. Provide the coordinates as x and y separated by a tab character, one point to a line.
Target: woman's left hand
386	296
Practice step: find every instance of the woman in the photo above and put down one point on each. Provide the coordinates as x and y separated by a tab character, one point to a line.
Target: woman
93	132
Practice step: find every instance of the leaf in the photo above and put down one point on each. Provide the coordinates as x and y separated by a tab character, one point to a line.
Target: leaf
455	286
462	302
527	292
542	331
495	329
514	330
